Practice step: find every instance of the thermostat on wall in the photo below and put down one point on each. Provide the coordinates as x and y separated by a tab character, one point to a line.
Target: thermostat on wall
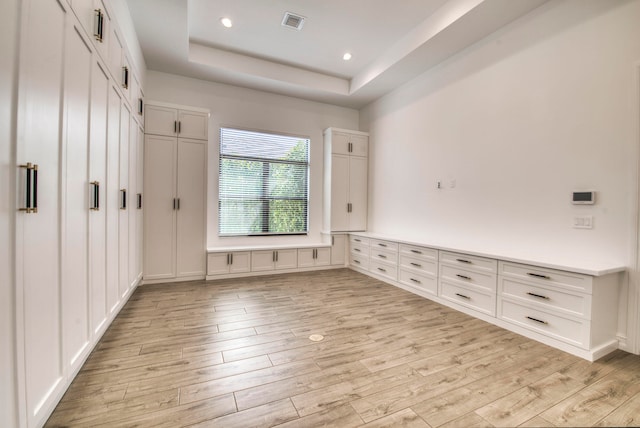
583	198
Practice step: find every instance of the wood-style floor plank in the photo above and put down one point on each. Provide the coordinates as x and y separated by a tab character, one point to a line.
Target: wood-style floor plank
236	353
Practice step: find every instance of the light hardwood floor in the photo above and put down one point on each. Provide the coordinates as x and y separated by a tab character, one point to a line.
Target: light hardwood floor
237	353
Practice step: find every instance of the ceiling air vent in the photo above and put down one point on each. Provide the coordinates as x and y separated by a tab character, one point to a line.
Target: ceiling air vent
292	20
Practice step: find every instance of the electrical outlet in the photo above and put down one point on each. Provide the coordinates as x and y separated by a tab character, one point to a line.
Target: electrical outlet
583	222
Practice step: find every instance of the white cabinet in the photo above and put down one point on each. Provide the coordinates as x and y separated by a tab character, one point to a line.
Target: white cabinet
175	197
166	120
418	268
338	249
124	205
345	185
274	260
228	262
96	21
573	308
41	370
310	257
469	281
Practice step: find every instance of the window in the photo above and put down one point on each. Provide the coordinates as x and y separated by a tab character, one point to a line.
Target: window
264	183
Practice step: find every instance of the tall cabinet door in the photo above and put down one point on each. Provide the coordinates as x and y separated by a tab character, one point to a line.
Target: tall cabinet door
75	196
339	192
123	217
191	195
38	317
358	193
112	197
132	195
98	176
160	154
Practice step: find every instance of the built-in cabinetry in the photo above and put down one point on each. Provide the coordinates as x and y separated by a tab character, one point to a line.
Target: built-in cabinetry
175	193
566	308
309	257
268	260
338	249
345	180
228	262
72	249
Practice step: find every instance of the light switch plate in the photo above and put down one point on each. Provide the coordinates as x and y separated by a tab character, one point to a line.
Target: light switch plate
583	222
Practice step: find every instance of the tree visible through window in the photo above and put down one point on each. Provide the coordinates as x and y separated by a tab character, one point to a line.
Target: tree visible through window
263	183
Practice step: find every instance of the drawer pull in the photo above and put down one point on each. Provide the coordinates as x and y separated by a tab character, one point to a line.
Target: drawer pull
382	245
416	264
463	296
382	256
357	262
464	261
540	296
463	277
356	249
416	251
537	275
537	320
415	280
382	270
357	240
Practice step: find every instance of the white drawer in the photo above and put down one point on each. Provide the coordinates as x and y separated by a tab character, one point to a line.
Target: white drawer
359	261
386	245
474	299
358	240
479	264
383	269
420	265
357	248
566	329
470	278
552	299
557	278
421	253
416	280
383	255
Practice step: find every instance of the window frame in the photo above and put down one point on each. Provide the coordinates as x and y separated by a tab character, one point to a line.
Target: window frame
265	198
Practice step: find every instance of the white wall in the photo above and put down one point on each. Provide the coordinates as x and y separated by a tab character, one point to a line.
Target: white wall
519	120
245	108
9	18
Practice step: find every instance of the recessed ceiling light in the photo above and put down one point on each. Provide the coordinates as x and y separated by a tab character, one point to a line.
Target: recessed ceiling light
226	22
346	56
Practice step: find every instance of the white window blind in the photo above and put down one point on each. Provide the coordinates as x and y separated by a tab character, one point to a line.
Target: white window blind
263	183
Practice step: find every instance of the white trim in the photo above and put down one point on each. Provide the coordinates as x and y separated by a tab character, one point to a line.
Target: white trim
632	344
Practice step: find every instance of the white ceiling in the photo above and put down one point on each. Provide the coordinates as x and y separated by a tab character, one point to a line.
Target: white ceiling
391	41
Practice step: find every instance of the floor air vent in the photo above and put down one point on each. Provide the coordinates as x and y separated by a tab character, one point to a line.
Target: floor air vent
292	20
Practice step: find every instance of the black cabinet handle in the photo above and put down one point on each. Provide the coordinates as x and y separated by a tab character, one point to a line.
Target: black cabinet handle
540	296
537	320
123	199
125	77
357	261
175	126
463	277
139	201
95	203
31	188
416	252
179	127
382	256
537	275
382	245
98	32
382	270
416	264
415	280
464	261
463	296
140	106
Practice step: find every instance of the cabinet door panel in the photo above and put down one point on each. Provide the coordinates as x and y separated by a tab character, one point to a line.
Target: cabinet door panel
193	124
339	143
323	256
132	195
97	218
359	145
115	55
287	259
338	249
240	262
112	196
160	120
37	235
217	263
339	192
191	249
160	154
358	193
262	261
123	217
305	257
75	261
